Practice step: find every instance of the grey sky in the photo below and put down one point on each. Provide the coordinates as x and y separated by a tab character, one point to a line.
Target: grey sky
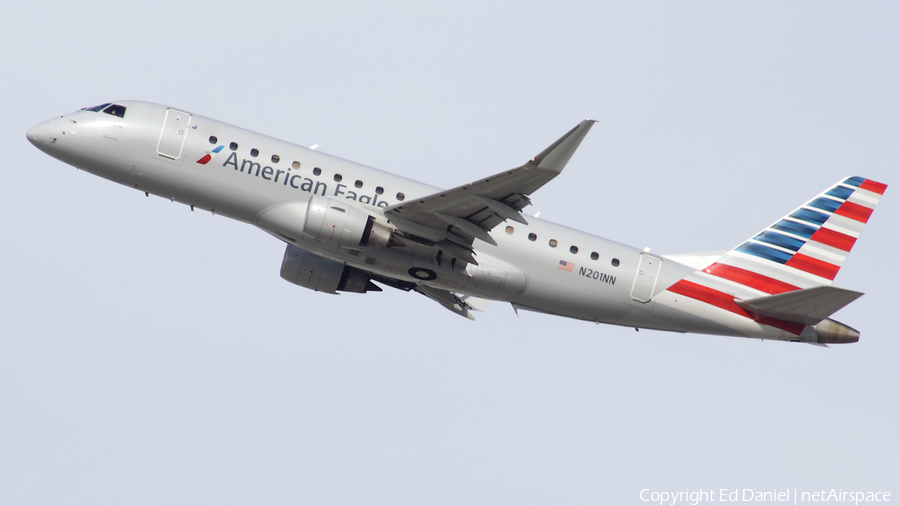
150	355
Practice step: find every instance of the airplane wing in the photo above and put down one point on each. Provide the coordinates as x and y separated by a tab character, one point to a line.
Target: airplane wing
453	219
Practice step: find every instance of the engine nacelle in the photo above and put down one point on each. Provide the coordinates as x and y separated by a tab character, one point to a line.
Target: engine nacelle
326	220
332	221
301	267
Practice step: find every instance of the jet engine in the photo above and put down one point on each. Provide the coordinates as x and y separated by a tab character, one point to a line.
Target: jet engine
326	220
301	267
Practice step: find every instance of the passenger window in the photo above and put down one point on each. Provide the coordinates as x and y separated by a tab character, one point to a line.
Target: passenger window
532	237
233	146
615	262
295	165
317	171
115	110
573	249
553	243
510	230
338	177
379	190
276	158
254	152
401	196
595	255
358	183
213	139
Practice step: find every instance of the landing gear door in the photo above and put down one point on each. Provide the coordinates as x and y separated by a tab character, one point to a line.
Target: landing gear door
645	278
174	130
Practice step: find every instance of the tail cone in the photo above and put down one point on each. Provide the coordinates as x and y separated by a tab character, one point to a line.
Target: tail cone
830	331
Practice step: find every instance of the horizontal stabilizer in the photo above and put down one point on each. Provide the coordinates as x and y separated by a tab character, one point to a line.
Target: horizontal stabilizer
809	306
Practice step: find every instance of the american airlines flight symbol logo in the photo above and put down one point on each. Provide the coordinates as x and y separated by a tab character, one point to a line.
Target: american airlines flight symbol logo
208	156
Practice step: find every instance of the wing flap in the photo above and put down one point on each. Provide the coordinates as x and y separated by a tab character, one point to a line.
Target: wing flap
809	306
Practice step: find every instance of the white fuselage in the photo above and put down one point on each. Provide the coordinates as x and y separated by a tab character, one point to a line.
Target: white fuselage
156	151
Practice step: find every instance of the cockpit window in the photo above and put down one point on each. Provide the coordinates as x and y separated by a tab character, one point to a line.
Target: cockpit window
96	108
115	110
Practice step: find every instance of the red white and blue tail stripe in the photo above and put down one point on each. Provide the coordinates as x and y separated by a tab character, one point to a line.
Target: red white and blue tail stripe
804	249
807	247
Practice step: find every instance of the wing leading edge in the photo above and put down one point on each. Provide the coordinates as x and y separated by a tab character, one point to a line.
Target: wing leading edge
453	219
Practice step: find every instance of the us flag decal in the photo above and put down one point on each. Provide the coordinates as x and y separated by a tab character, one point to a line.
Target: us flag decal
566	266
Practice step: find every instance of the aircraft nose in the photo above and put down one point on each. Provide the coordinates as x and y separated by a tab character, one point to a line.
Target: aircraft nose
43	135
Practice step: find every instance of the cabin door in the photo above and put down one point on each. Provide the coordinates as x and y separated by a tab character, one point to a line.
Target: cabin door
174	130
645	278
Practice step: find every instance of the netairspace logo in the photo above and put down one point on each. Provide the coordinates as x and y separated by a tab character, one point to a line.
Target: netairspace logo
749	495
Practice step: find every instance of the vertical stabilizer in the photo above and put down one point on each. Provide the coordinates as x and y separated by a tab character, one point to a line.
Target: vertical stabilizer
807	247
801	251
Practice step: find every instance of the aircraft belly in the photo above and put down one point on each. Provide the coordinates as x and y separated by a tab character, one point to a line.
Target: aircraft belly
567	295
493	278
698	317
199	191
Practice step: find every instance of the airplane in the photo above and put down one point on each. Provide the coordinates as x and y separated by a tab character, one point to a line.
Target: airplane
353	228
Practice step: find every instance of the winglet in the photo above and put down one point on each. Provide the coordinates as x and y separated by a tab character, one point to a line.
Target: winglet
558	154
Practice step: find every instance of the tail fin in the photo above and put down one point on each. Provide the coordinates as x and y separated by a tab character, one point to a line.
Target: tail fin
807	247
781	277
